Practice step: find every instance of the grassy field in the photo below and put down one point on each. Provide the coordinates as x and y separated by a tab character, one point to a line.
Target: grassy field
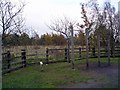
52	75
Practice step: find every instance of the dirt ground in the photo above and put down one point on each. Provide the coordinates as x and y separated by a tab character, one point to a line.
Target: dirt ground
103	77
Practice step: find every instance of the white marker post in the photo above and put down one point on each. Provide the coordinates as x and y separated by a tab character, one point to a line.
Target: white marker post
41	65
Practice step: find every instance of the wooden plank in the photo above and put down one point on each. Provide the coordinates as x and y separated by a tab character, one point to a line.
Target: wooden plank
18	62
31	55
4	53
12	69
36	59
17	57
57	61
55	49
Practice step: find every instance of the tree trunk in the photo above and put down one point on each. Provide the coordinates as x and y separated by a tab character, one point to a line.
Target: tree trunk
3	40
87	65
112	46
68	54
109	49
98	50
72	48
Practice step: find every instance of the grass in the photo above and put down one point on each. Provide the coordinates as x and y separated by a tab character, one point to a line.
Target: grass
52	76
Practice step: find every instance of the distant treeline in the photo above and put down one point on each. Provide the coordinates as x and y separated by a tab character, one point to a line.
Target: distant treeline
45	39
53	39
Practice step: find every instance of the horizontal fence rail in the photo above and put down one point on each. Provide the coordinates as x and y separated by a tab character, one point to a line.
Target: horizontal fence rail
11	61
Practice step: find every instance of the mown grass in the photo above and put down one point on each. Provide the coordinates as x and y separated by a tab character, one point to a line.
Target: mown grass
52	75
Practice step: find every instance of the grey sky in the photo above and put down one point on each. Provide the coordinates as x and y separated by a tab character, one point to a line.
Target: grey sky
40	12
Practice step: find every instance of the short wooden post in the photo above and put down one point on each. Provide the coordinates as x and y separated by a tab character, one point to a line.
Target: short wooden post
47	55
8	60
23	57
80	53
93	52
66	54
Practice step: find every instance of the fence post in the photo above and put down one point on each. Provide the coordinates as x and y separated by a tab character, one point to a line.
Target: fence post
47	55
93	52
8	59
66	54
23	57
80	53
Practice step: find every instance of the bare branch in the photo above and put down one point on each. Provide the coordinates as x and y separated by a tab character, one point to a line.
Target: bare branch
61	25
9	15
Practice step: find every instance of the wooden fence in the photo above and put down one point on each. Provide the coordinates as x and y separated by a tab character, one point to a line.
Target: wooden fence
56	55
11	62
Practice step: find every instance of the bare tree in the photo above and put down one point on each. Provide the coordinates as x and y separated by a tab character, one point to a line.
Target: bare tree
62	26
99	25
87	25
10	17
117	27
110	13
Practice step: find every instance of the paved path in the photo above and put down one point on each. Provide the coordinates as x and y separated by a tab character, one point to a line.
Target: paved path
104	77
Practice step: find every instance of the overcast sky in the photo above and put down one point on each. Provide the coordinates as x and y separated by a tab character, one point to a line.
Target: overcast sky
38	13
